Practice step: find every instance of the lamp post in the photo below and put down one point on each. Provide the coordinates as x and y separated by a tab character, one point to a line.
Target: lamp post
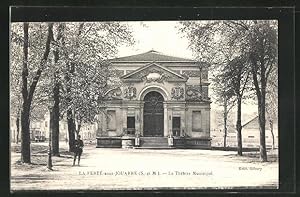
50	106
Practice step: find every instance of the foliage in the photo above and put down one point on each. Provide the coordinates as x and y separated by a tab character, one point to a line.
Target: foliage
86	47
228	44
77	50
36	39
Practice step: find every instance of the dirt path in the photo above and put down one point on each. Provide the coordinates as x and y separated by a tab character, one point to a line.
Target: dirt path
146	169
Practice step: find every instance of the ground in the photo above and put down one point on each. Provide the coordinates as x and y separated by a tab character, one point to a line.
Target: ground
111	169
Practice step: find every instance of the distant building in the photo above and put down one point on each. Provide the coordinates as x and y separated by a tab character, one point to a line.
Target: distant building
39	130
250	135
13	129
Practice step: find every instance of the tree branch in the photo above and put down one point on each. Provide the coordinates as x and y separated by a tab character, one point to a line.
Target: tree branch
43	62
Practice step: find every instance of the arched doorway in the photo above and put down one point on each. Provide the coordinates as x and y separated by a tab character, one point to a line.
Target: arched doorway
153	114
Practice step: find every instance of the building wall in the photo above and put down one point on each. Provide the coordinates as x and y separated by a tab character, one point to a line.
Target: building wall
173	107
250	136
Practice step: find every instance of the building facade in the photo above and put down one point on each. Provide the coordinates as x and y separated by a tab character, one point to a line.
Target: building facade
161	96
250	135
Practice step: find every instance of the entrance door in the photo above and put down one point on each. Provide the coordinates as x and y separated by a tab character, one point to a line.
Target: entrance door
153	114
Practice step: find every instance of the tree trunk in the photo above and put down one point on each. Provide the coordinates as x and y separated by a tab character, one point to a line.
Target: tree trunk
70	116
225	123
18	128
239	126
28	94
25	135
51	129
55	117
272	133
262	115
262	121
78	129
55	131
71	128
261	98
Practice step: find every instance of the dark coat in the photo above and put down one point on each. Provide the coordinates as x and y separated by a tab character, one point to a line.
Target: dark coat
78	146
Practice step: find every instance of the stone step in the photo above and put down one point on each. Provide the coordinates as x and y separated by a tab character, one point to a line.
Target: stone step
154	142
154	147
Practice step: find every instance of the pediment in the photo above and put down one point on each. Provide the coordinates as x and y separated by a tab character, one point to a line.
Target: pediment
154	72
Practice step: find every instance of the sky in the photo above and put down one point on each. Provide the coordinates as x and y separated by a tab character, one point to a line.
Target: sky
161	36
164	37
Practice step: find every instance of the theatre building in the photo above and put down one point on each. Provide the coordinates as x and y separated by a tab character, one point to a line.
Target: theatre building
163	101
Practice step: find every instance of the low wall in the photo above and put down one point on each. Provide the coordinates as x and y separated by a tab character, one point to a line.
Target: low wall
128	142
198	143
193	143
109	142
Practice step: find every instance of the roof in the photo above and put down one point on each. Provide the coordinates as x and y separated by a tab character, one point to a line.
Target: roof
153	64
255	119
151	56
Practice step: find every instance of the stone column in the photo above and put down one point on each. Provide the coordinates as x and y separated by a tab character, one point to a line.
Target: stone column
137	120
166	117
119	121
182	121
99	122
208	123
187	121
104	124
124	118
170	113
141	118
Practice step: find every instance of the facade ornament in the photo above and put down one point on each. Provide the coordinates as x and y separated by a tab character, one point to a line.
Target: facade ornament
114	94
177	93
153	75
130	92
193	93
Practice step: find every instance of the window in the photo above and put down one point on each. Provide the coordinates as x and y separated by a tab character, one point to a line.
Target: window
176	126
111	116
196	121
130	122
130	125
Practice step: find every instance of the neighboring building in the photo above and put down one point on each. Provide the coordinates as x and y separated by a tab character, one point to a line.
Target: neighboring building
250	135
87	131
39	130
13	130
161	96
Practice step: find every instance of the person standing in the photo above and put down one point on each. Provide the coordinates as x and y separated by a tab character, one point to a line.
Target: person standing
78	149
